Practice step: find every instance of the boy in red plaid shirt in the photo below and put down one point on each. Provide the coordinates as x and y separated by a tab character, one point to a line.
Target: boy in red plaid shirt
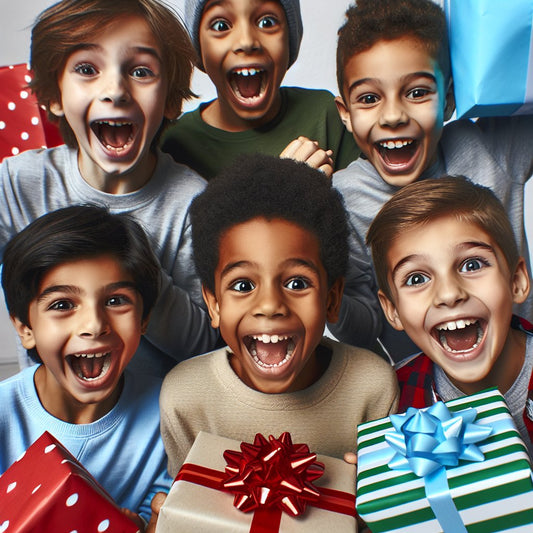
449	273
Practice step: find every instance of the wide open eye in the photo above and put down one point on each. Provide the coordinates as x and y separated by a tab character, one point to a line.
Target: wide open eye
297	284
367	99
117	299
473	264
243	285
416	279
142	72
219	25
61	305
417	93
86	70
267	22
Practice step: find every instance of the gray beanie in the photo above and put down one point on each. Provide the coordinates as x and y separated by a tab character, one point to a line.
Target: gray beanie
193	15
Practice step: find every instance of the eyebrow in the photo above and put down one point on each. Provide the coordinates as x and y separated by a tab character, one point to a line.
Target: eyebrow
75	290
462	246
407	77
212	3
291	262
96	47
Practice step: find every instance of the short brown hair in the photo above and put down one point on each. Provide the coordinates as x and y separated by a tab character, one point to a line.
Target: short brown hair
424	201
370	21
60	28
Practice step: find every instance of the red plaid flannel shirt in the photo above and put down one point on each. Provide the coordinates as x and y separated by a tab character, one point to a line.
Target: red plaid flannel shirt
417	384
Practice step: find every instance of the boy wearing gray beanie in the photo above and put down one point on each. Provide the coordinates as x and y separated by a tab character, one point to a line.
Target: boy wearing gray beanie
246	47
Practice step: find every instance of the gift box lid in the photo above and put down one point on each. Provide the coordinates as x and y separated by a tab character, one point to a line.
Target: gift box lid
490	494
47	488
191	507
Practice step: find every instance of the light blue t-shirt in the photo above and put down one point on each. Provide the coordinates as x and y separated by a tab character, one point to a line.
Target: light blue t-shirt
123	450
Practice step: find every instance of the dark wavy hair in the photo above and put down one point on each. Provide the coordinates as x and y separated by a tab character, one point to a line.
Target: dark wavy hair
70	234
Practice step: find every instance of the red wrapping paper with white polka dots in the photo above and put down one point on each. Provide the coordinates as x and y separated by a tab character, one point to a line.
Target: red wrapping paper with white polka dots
48	491
23	124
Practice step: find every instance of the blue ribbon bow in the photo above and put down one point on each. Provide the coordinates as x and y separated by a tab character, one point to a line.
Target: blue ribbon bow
427	442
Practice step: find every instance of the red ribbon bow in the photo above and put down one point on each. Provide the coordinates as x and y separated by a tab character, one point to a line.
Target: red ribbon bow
272	473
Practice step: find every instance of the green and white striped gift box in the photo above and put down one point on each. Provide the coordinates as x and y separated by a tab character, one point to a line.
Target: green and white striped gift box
493	495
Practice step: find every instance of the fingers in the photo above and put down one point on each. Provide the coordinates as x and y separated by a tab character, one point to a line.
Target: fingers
326	169
134	517
307	151
350	457
156	504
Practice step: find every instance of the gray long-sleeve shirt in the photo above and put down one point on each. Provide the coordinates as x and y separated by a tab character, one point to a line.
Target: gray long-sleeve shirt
38	181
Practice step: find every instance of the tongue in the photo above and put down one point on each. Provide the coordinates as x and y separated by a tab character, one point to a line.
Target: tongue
271	353
88	368
248	86
461	339
398	156
115	136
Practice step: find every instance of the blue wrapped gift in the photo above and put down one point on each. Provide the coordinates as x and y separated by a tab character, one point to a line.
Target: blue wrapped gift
491	50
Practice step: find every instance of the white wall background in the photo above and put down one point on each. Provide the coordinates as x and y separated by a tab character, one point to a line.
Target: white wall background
314	68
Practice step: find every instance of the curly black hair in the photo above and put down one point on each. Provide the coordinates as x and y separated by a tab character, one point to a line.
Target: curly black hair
370	21
259	185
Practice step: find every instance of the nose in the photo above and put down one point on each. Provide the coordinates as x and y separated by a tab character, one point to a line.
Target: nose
269	302
93	322
392	113
245	38
114	89
449	291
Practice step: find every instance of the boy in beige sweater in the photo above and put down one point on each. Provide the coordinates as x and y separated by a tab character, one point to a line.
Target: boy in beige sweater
270	246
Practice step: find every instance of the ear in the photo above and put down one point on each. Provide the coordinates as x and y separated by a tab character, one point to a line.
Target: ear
334	300
344	113
212	306
391	314
24	332
520	282
56	109
449	106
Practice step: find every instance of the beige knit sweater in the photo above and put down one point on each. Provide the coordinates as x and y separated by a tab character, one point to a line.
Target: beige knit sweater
204	394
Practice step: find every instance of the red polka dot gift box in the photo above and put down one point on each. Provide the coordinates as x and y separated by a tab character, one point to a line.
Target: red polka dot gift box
48	491
23	123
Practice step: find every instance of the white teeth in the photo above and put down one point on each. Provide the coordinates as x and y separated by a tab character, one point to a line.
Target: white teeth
91	355
395	144
456	324
119	149
247	71
105	367
114	123
459	324
269	338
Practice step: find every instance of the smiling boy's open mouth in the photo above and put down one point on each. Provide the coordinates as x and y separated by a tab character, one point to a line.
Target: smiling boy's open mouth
270	351
112	134
397	152
90	366
459	336
247	82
